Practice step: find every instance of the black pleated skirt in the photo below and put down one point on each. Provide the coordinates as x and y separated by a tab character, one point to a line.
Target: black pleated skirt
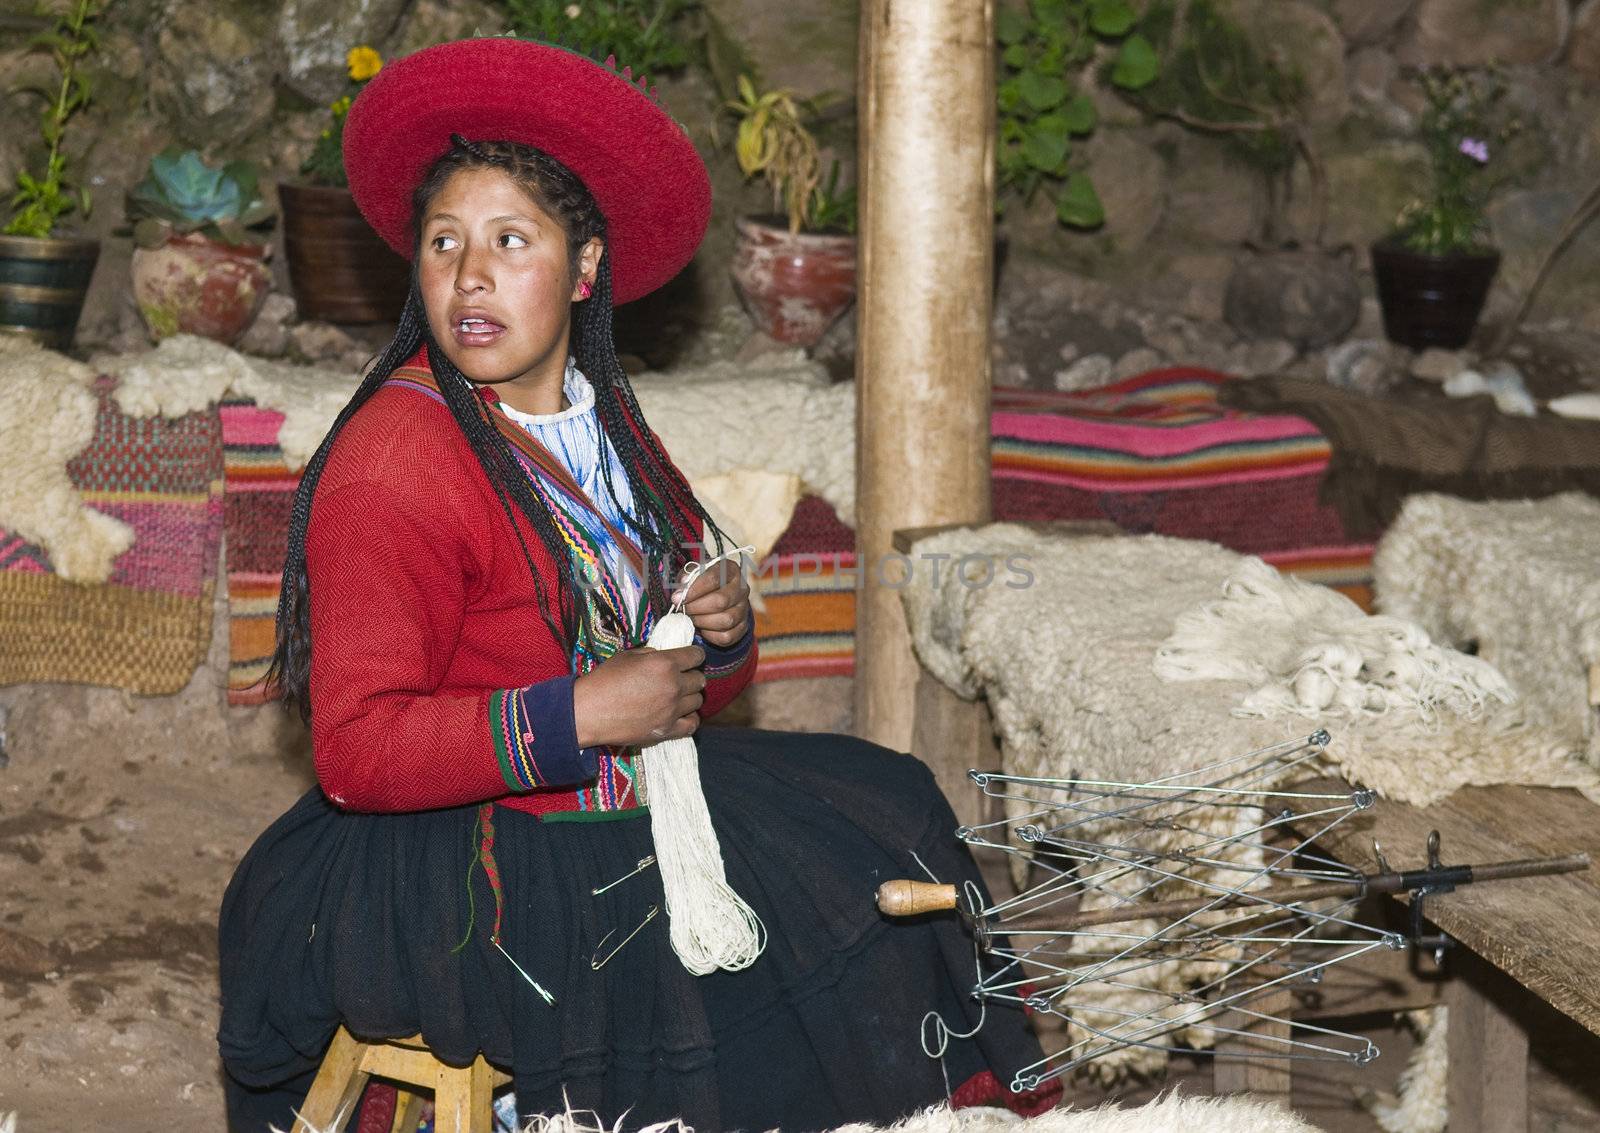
335	917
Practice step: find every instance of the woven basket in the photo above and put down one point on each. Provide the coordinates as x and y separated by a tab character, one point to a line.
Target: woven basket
144	641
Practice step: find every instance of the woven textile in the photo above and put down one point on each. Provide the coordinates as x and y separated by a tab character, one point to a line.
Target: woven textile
147	628
1155	453
256	504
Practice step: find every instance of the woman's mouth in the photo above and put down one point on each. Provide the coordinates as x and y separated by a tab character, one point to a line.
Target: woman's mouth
474	331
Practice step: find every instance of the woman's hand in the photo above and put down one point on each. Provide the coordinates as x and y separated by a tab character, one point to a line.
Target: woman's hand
640	697
718	603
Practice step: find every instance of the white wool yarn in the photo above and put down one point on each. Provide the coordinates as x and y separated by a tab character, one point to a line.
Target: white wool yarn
1312	652
711	925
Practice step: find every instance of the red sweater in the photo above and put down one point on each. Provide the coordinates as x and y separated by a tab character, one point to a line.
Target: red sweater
426	631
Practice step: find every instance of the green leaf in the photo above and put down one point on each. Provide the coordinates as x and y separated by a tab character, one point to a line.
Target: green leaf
1080	114
1137	64
1015	56
1050	11
1112	18
1010	26
1045	145
1042	92
1079	205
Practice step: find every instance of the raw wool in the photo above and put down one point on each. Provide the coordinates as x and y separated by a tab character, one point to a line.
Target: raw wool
779	413
1170	1113
1312	652
1521	579
47	417
710	924
1066	662
1423	1102
186	373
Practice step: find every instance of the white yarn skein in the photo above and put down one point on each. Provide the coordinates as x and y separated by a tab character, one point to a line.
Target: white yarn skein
711	926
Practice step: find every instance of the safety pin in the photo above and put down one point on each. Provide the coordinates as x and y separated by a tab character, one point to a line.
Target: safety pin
596	965
543	994
644	863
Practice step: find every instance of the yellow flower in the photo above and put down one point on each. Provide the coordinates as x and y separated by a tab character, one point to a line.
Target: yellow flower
362	63
340	106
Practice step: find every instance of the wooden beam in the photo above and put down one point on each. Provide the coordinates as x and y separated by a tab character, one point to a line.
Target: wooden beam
927	281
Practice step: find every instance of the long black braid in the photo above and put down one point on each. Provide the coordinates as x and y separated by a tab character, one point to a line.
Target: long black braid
663	504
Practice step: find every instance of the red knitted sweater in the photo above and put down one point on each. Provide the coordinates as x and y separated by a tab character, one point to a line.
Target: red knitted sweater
425	627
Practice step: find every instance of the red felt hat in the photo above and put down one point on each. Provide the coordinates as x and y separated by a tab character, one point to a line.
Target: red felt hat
639	164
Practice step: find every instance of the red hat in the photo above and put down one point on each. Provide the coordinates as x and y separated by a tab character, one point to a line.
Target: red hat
639	164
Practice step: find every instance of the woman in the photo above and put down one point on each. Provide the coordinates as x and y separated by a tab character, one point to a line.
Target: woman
477	552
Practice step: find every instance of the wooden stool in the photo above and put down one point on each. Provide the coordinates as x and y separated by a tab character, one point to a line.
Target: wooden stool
461	1094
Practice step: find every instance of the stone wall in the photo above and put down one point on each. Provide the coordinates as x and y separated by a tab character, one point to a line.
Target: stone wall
252	77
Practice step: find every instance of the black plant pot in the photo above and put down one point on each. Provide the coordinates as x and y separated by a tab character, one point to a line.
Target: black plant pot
42	284
1431	300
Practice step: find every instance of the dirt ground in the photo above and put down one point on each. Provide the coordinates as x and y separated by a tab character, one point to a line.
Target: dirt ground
120	822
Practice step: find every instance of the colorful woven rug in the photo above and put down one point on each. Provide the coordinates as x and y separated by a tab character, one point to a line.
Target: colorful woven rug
260	492
147	628
1156	453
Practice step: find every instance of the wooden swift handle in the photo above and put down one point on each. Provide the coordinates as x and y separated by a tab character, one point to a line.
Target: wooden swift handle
908	898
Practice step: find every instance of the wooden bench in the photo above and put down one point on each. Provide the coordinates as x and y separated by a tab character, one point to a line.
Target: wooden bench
1537	935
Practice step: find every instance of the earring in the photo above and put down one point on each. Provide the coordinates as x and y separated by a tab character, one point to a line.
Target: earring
585	289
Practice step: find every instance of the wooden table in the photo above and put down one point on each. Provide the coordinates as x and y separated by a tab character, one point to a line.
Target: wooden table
1539	935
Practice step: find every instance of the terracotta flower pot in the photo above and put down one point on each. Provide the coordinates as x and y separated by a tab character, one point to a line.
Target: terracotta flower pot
195	285
340	270
794	285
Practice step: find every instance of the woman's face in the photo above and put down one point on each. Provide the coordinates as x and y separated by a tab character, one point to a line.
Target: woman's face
497	285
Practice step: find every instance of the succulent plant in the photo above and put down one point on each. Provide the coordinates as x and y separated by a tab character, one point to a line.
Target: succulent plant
181	193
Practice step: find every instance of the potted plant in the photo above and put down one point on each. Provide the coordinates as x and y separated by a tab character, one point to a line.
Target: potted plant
795	272
44	277
199	265
340	271
1433	272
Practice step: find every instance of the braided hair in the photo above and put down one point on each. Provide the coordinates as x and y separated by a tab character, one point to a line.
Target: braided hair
663	504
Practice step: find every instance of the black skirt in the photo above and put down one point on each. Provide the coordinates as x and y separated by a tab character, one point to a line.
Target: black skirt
335	917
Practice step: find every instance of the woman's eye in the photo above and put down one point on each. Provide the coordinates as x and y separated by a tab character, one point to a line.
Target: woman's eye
512	240
443	243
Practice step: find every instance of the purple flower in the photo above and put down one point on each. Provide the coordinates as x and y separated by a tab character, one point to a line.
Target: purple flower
1476	149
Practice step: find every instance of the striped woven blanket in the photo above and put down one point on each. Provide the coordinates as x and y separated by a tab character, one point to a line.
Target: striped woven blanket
148	626
1156	453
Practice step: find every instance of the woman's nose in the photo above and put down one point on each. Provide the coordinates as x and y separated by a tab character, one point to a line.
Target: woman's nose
472	272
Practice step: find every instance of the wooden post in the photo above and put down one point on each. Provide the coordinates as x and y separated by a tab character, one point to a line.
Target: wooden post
1488	1086
927	281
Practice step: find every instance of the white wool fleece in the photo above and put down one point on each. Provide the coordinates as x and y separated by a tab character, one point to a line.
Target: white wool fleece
47	416
1518	578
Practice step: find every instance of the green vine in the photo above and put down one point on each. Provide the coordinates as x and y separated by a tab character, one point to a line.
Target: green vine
1045	45
647	35
40	202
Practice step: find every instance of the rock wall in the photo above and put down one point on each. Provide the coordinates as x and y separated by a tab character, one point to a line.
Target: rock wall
252	78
